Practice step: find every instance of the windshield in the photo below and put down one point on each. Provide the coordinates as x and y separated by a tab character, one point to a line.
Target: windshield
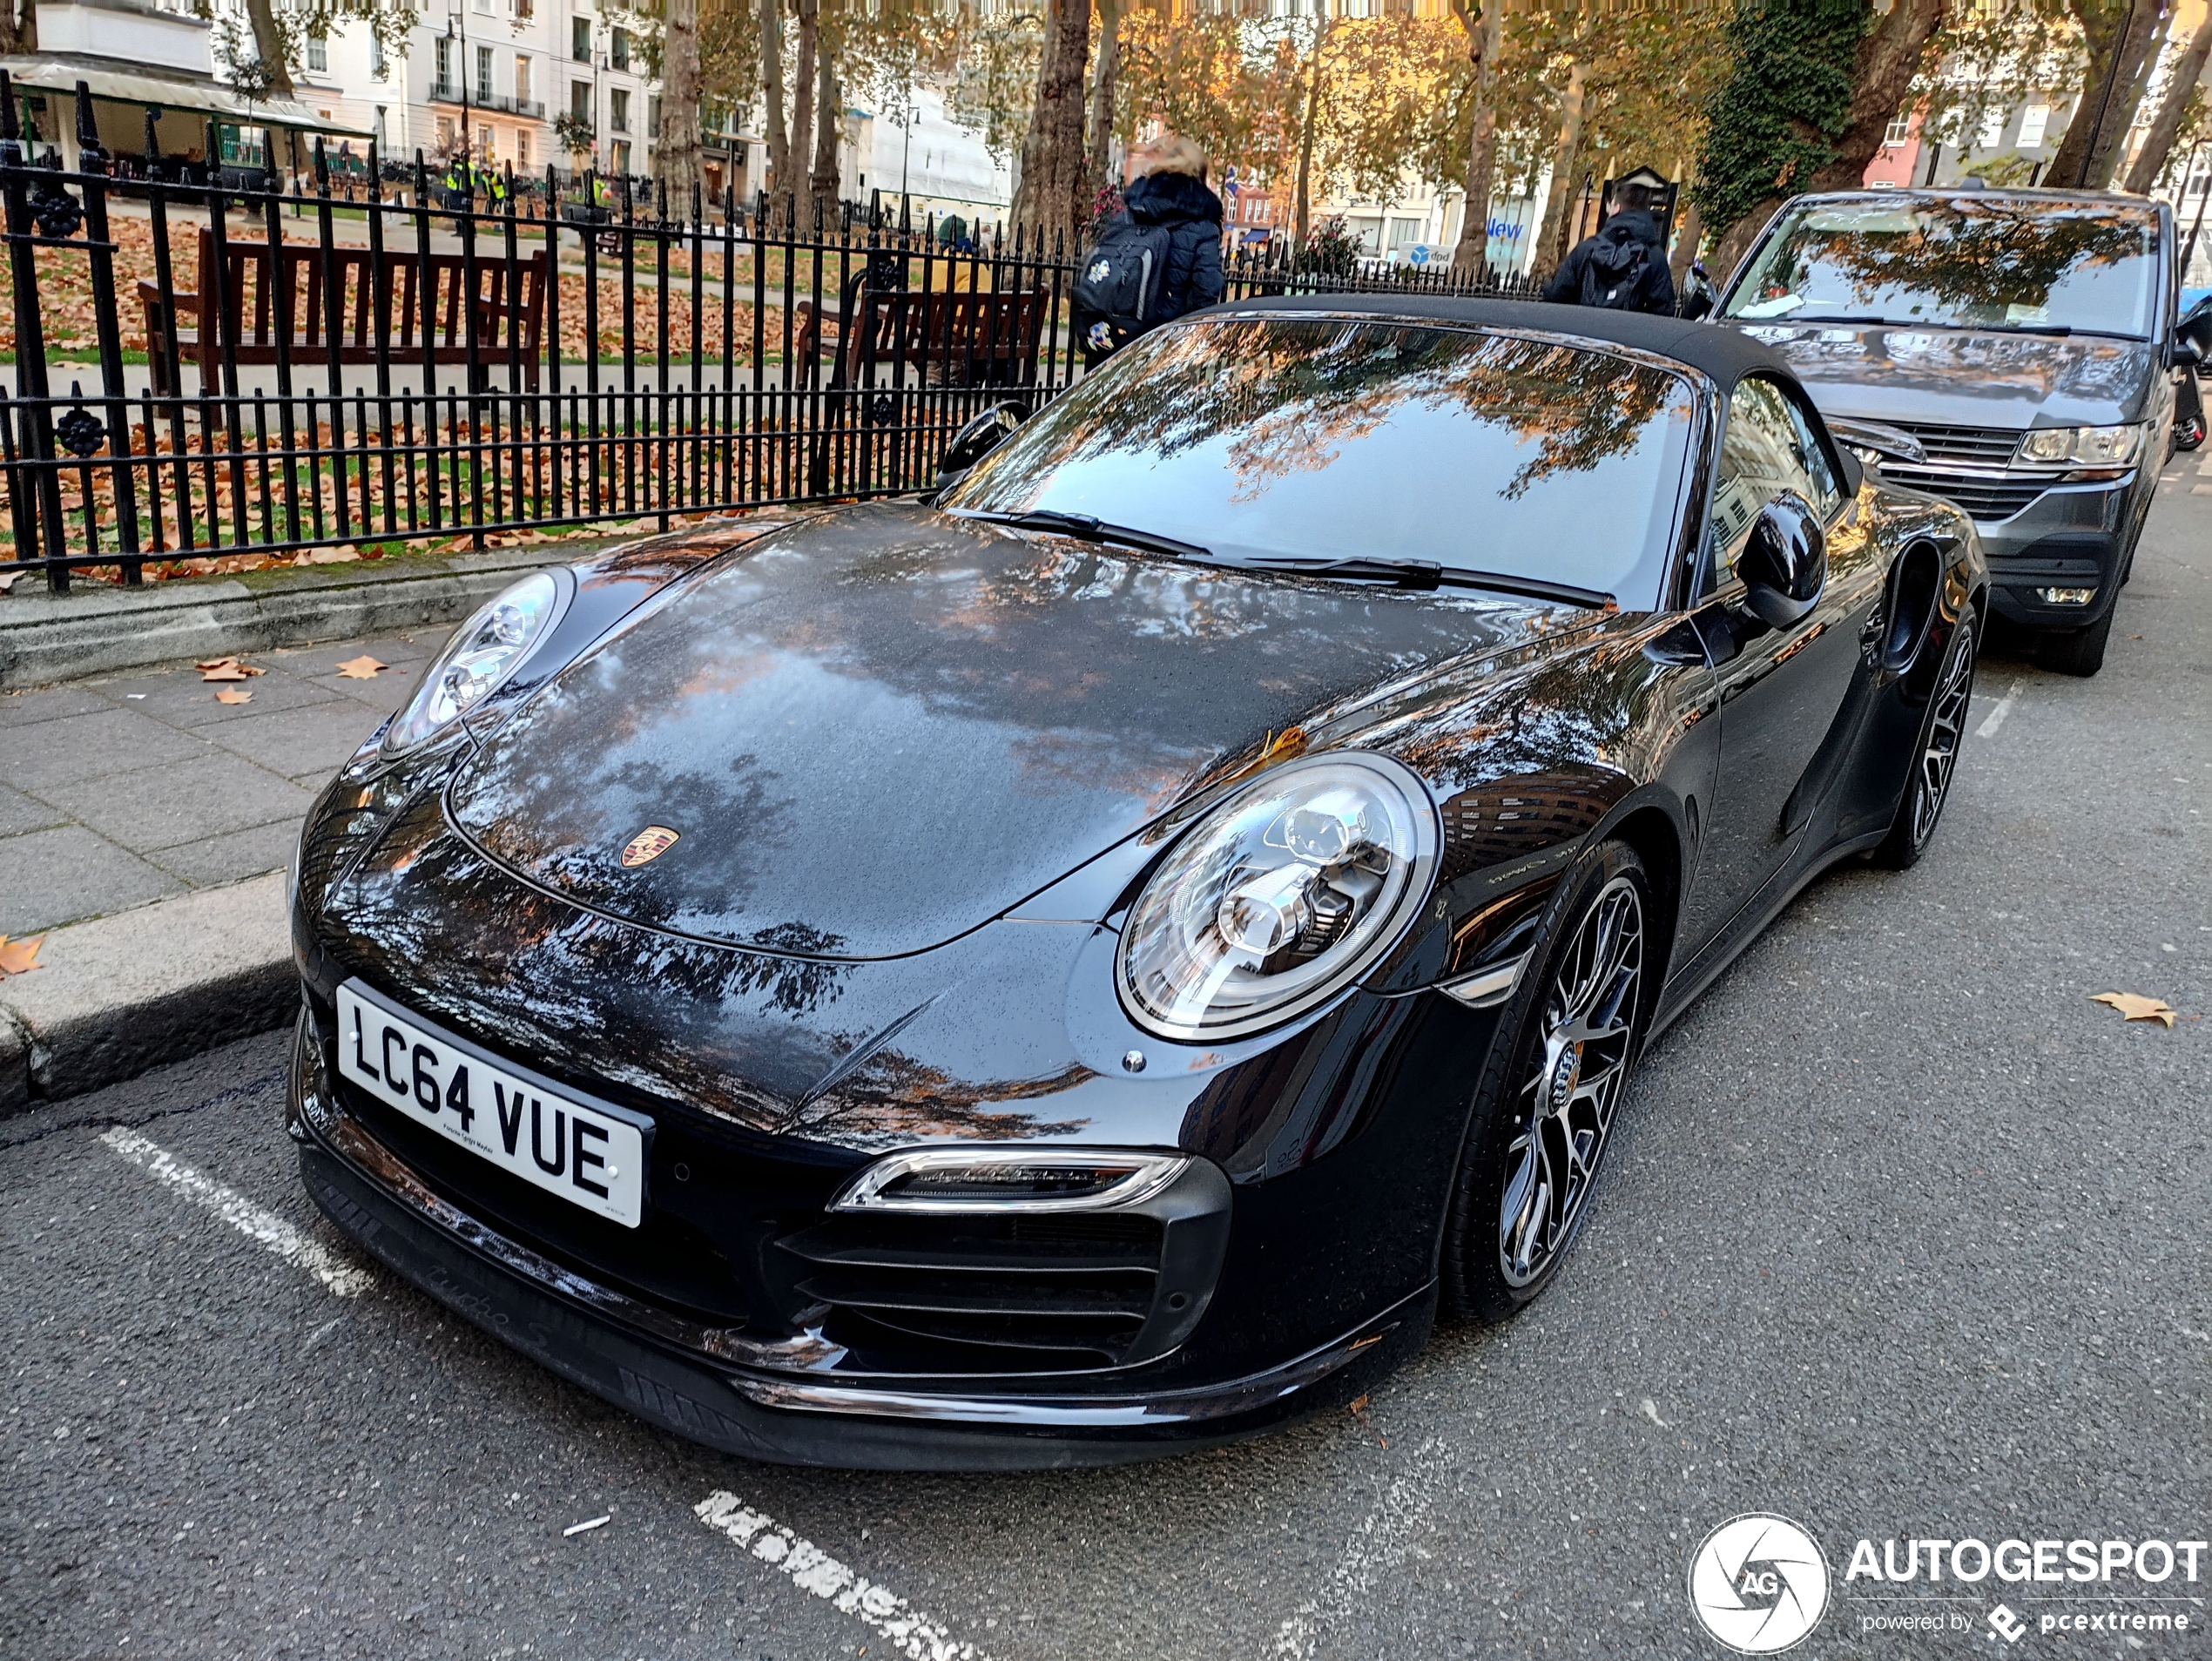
1325	439
1962	262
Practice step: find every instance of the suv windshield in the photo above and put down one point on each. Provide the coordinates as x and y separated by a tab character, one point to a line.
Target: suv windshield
1320	438
1958	262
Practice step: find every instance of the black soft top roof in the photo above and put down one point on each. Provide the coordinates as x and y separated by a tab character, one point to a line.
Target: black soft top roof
1725	354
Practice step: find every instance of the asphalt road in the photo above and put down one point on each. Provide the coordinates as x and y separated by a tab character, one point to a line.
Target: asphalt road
1902	1236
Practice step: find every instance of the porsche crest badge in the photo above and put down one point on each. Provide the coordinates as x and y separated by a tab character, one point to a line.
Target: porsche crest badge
649	844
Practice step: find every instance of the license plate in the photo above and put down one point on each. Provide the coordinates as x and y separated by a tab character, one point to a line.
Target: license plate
590	1154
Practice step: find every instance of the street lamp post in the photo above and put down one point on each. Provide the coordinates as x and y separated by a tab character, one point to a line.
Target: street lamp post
457	25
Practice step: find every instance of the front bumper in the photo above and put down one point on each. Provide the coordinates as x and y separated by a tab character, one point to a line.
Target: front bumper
682	1376
2069	536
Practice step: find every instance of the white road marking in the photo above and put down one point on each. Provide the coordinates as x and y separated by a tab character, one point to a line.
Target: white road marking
587	1525
344	1278
1996	718
1378	1546
809	1568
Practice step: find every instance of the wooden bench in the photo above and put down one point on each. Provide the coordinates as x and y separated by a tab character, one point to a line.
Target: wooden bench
186	319
955	337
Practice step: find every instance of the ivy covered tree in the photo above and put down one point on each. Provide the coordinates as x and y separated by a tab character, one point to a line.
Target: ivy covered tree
1811	86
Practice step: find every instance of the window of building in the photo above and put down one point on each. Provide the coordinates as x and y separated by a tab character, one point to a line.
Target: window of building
445	61
2035	120
1899	133
619	48
580	101
622	158
445	132
618	110
522	7
376	56
483	74
1992	130
580	40
523	151
319	54
522	80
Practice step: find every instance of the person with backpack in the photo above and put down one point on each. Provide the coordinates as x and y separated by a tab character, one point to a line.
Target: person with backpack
1157	257
1622	268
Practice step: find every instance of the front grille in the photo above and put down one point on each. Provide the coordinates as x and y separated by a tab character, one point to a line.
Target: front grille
1983	499
1975	446
1011	1293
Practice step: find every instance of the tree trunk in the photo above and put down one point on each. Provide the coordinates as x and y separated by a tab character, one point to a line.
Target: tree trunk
676	149
829	122
1102	76
800	190
1483	40
1551	238
1304	222
1887	58
18	34
268	45
2090	152
1882	74
772	95
1051	199
2158	143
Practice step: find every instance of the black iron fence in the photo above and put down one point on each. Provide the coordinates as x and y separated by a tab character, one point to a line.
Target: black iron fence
205	369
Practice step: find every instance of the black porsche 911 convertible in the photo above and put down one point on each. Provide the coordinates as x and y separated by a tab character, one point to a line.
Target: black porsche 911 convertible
1091	963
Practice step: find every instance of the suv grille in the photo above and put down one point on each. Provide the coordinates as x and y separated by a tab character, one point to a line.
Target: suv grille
1976	446
1986	499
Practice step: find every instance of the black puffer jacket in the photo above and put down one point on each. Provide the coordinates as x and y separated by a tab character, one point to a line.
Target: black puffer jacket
1192	215
1601	263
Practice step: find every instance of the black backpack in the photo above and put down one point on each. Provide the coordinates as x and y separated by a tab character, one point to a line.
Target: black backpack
1122	275
1613	275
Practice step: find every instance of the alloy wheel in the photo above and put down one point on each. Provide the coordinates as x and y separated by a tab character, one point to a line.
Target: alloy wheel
1574	1077
1940	750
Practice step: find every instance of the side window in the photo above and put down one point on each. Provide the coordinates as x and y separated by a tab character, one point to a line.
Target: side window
1766	447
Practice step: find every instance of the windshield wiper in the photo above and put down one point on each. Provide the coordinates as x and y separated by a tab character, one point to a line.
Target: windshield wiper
1839	317
1089	528
1425	574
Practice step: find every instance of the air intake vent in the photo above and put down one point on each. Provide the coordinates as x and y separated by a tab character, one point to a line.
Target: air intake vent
1018	1294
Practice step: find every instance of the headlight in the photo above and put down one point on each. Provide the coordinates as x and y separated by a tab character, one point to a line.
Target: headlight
2080	446
483	651
1277	898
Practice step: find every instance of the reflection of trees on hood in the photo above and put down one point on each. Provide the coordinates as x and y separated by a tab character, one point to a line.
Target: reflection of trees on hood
1967	254
1294	394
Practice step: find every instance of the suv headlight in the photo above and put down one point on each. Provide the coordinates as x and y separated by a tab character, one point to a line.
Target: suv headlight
1278	898
483	651
2080	446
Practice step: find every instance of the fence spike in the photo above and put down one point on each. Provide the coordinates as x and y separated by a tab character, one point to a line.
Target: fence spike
375	175
88	126
153	141
323	166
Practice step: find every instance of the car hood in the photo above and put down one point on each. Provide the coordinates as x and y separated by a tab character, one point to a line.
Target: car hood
1960	378
883	727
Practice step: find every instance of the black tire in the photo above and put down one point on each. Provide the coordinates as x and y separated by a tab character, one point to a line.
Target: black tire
2075	651
1488	1270
1935	751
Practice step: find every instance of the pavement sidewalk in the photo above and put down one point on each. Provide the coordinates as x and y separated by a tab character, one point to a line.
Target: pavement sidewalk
143	829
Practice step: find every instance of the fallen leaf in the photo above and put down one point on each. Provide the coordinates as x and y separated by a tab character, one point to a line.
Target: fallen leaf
1358	1404
8	581
362	668
2136	1007
224	671
215	663
19	956
233	695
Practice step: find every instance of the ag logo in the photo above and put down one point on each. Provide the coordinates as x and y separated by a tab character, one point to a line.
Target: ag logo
649	844
1758	1583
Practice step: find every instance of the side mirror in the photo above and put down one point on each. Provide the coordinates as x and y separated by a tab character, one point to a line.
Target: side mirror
975	441
2192	335
1785	562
